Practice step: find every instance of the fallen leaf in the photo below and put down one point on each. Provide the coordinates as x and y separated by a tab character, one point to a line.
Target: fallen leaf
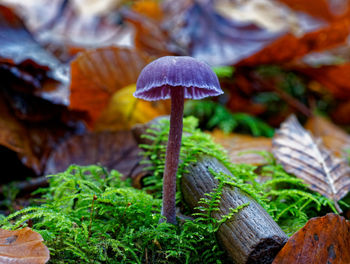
23	246
149	8
289	46
322	240
114	150
333	137
33	142
148	37
341	113
205	34
19	47
124	110
335	78
306	158
28	67
328	10
97	74
243	148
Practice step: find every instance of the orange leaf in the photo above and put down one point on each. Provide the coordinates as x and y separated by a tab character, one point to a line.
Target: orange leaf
149	8
289	47
23	246
336	78
322	240
97	74
325	9
241	148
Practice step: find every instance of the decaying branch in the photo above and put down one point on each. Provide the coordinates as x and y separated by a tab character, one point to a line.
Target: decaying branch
251	235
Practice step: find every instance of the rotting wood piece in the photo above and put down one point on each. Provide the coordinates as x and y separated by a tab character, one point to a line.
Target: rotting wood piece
251	235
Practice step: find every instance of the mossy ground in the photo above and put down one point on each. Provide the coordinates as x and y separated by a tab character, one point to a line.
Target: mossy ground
88	215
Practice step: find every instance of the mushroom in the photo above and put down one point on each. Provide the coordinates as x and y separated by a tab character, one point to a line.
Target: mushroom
175	77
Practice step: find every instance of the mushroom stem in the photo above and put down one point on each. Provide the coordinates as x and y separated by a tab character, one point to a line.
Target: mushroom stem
172	154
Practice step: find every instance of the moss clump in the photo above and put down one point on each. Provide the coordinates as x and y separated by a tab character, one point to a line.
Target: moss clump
88	215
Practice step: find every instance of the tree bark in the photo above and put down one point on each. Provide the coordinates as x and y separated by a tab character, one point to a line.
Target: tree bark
251	235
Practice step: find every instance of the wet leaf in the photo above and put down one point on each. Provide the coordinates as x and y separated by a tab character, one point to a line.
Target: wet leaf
114	150
26	66
333	137
243	148
23	246
124	110
98	74
18	47
322	240
306	158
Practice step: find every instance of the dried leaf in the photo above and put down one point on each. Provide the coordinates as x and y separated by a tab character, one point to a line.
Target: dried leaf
322	240
306	158
98	74
241	148
124	110
207	35
333	137
114	150
23	246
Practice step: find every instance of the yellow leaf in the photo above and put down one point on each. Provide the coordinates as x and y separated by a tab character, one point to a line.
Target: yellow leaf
124	111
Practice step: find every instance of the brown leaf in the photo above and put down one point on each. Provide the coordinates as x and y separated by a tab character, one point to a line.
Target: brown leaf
306	158
23	246
333	137
98	74
149	37
322	240
114	150
32	142
241	148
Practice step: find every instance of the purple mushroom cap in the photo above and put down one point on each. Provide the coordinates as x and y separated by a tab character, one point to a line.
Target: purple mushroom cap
171	72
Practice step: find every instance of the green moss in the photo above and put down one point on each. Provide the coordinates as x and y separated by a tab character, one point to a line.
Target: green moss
88	215
285	197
